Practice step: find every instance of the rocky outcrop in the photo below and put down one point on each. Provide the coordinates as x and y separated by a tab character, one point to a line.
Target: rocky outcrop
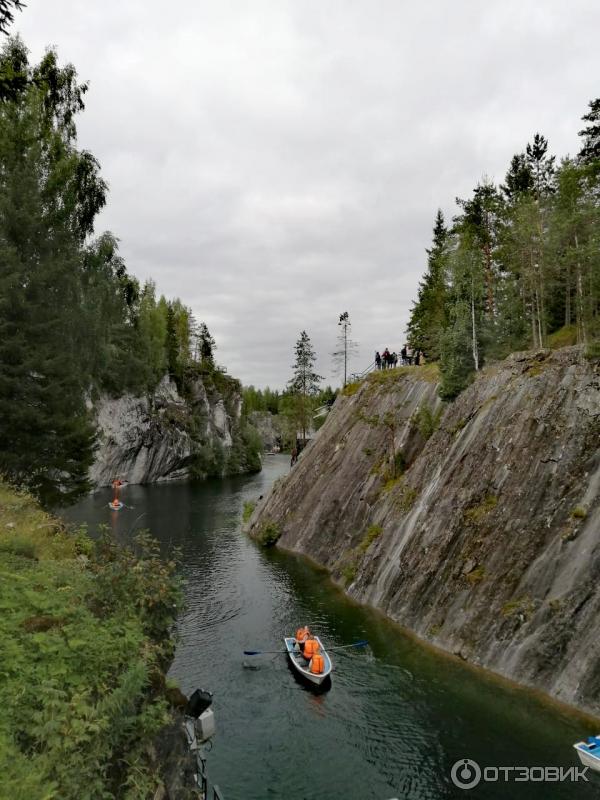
269	428
164	436
486	540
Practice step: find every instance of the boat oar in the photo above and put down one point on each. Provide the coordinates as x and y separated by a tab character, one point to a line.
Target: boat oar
362	643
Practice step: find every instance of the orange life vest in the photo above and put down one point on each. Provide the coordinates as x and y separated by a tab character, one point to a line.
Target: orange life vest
311	646
317	664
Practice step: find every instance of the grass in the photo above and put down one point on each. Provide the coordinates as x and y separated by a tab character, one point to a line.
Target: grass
428	372
476	513
519	605
351	389
349	572
85	633
476	576
249	507
564	337
372	533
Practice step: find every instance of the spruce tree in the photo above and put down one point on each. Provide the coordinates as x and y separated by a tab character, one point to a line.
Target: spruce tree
429	315
304	384
49	195
206	347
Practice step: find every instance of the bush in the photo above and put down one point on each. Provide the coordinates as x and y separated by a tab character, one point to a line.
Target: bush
268	534
427	421
82	644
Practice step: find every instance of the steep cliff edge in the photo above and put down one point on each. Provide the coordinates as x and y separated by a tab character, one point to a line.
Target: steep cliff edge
167	436
487	542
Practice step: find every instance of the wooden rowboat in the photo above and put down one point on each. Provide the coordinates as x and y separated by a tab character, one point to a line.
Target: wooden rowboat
301	665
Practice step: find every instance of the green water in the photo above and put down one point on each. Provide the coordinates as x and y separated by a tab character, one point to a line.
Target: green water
397	716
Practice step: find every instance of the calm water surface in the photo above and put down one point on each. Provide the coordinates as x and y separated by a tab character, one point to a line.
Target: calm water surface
396	717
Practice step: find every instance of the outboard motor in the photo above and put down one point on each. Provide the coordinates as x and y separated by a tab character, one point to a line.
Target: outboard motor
199	708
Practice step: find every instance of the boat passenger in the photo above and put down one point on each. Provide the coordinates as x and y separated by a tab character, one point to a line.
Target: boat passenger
302	635
311	646
317	664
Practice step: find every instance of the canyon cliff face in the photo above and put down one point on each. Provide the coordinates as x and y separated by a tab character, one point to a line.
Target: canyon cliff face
485	541
164	436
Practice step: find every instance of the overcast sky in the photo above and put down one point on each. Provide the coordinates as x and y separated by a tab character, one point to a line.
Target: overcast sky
276	163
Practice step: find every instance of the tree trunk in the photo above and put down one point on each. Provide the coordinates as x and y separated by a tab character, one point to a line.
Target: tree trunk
581	331
474	332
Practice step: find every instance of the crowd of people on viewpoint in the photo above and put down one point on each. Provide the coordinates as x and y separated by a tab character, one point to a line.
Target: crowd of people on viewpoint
408	357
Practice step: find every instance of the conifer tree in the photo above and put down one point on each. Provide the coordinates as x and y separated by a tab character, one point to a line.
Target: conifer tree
304	385
429	315
590	150
346	345
49	196
206	346
519	178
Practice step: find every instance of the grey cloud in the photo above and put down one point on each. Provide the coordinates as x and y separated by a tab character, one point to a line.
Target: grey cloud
276	163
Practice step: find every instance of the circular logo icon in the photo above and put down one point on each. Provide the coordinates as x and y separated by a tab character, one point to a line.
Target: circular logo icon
465	773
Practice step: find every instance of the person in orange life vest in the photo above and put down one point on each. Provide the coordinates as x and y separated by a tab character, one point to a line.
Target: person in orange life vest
302	635
317	664
311	646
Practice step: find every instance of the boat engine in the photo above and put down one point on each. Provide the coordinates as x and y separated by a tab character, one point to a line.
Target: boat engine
201	715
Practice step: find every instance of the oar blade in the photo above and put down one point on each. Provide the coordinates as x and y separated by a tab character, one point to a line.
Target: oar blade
252	652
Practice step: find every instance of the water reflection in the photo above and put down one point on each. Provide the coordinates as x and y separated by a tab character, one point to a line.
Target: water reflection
396	717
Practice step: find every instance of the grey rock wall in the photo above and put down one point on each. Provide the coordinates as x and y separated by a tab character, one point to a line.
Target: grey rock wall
145	439
488	545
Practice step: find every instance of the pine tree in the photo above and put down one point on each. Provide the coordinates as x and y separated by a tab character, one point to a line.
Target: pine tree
7	9
304	385
590	150
429	315
346	345
541	165
519	180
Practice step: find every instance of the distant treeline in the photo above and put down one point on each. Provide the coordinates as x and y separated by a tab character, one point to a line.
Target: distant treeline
285	405
519	267
73	322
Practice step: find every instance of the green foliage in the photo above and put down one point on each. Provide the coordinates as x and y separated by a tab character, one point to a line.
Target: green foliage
372	533
429	315
249	507
303	386
81	642
579	512
427	421
518	606
521	266
349	572
268	534
350	389
476	513
476	576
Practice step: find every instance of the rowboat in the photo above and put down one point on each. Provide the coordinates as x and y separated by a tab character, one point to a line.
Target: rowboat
589	752
301	665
